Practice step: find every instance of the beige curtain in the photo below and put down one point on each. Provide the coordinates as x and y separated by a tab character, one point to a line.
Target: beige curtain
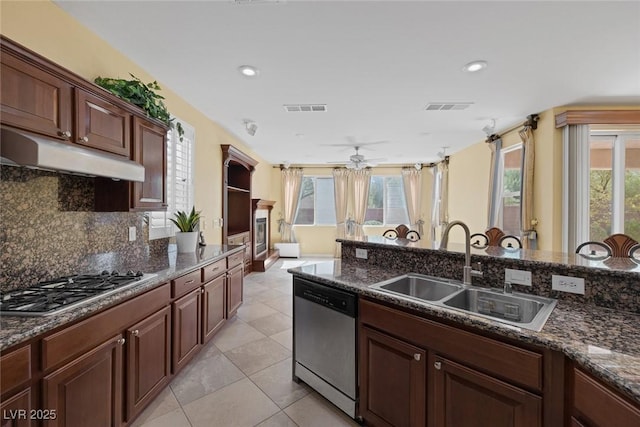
527	221
291	184
360	184
495	145
340	193
440	199
412	184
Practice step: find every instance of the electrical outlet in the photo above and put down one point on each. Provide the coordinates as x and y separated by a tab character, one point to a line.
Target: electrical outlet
132	234
517	277
574	285
361	253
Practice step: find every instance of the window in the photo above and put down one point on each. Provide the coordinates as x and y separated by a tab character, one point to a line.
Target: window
386	204
316	205
510	186
179	181
614	182
601	183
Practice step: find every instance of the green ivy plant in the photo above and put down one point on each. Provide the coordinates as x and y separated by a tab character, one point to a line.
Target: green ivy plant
186	222
143	95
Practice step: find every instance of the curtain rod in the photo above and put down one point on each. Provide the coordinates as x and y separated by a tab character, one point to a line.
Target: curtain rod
532	121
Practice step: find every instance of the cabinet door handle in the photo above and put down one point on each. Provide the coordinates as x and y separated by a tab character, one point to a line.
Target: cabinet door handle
84	139
121	341
416	356
135	332
437	365
202	291
66	134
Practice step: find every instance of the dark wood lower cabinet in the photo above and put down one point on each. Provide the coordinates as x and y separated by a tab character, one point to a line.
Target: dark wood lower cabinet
392	381
214	303
463	397
88	390
234	290
187	326
148	360
16	410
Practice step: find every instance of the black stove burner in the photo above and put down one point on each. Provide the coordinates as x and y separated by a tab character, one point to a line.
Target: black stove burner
53	296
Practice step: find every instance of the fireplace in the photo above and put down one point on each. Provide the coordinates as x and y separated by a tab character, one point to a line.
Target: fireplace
261	235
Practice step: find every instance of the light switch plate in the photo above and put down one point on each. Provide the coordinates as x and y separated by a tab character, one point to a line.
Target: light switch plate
517	277
361	253
574	285
132	234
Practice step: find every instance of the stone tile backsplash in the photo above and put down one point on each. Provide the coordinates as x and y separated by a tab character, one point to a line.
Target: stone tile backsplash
48	227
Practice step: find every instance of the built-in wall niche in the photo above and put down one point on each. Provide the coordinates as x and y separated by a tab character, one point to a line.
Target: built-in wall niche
263	255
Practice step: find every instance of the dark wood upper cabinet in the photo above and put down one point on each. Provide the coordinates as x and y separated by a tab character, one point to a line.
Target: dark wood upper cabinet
102	125
150	150
33	99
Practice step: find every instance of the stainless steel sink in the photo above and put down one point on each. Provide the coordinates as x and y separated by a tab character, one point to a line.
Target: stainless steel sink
419	286
517	309
523	310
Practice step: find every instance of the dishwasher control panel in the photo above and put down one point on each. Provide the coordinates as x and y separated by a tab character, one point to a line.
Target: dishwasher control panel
335	299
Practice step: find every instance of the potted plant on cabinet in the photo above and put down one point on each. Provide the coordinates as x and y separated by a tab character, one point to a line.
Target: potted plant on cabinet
187	237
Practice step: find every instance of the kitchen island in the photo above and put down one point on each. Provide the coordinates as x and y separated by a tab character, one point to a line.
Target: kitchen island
582	337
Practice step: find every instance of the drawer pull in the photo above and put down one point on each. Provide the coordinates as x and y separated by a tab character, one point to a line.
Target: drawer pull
188	281
121	341
66	134
135	332
438	365
416	356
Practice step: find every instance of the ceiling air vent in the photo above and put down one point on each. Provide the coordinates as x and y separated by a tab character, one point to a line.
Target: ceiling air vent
447	106
305	107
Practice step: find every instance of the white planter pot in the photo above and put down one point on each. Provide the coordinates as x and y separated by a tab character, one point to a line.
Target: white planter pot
187	241
288	250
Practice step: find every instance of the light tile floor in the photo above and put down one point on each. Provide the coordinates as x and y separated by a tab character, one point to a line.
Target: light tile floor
243	376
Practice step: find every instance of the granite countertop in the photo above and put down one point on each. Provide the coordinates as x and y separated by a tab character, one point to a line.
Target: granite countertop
17	329
605	342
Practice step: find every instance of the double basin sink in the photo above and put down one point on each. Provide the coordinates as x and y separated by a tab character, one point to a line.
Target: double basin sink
516	309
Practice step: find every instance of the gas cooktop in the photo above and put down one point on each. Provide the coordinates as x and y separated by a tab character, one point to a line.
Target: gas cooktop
64	293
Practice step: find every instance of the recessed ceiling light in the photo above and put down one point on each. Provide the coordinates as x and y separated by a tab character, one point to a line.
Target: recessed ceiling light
475	66
248	70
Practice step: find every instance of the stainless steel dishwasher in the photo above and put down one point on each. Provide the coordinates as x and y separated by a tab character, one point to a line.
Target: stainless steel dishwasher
324	341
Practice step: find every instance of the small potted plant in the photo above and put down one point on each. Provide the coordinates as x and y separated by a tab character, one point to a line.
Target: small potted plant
187	223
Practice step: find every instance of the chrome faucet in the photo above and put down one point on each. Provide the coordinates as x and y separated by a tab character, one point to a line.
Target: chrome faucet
467	271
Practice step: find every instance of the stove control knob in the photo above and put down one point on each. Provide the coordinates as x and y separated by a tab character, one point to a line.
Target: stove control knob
139	273
104	273
130	273
114	273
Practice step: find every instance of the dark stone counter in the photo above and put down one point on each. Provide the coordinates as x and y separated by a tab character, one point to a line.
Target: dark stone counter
17	329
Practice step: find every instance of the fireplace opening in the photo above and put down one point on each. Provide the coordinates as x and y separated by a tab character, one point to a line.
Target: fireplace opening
261	235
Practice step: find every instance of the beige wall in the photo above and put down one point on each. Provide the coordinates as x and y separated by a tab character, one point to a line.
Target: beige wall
46	29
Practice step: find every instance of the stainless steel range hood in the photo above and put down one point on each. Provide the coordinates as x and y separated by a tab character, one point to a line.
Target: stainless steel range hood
30	150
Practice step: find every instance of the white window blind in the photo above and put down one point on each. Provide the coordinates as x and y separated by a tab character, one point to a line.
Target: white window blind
180	170
317	203
386	204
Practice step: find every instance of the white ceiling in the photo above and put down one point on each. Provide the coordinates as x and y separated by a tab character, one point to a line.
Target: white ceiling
376	65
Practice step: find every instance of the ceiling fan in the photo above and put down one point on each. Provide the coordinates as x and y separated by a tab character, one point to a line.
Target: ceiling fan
358	161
